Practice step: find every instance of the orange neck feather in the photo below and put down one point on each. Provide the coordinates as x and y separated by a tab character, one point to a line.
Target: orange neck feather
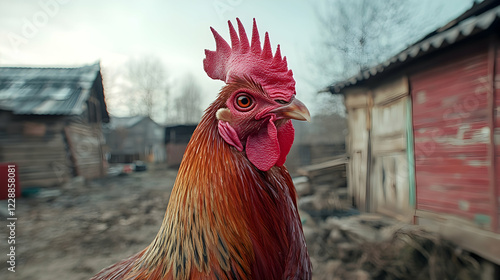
225	218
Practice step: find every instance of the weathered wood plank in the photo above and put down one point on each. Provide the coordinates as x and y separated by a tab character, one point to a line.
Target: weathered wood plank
356	98
463	232
85	150
389	119
391	90
32	157
390	183
357	150
389	145
331	172
56	141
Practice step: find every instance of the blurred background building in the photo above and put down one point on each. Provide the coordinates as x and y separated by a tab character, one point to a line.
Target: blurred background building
135	138
51	123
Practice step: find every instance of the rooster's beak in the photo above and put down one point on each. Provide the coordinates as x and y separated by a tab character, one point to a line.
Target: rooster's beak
294	110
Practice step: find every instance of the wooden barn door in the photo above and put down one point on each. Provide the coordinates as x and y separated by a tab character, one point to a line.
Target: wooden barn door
390	176
357	148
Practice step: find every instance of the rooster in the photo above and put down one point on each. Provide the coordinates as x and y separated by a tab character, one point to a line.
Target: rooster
233	211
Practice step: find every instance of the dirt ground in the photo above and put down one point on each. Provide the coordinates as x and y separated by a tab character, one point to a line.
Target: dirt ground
74	231
86	227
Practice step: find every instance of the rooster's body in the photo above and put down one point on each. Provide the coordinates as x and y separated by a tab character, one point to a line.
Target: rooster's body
232	212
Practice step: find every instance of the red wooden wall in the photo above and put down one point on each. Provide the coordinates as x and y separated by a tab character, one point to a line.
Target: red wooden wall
496	78
452	115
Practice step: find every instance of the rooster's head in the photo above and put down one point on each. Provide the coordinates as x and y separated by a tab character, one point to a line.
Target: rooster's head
258	101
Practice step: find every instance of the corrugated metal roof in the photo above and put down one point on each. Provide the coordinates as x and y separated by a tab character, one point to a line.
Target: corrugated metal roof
438	39
46	91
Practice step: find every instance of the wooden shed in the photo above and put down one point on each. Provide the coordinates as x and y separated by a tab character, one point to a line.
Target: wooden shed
135	138
176	139
424	132
50	123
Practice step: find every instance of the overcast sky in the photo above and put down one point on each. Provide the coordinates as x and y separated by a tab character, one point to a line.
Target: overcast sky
76	32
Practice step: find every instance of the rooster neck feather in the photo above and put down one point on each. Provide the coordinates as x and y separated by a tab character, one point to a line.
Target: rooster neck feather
226	219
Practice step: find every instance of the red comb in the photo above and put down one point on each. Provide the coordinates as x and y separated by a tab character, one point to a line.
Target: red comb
243	59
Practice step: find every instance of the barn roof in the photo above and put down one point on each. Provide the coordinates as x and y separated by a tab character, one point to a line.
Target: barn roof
479	18
49	91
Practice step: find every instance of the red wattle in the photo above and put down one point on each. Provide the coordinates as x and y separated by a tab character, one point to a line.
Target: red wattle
263	148
286	133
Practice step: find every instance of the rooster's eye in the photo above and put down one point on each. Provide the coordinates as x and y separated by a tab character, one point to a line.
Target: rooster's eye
244	101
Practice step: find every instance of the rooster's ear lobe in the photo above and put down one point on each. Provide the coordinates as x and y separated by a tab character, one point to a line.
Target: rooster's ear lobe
223	114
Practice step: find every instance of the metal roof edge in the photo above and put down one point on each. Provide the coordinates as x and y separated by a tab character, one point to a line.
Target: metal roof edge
463	29
97	64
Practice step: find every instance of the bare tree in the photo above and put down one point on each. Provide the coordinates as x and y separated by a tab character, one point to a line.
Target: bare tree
357	34
147	80
360	33
187	104
168	108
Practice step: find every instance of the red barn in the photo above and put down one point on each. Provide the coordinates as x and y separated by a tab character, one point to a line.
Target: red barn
424	132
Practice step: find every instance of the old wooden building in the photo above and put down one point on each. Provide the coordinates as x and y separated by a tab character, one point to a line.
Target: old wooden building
135	138
424	132
50	123
176	139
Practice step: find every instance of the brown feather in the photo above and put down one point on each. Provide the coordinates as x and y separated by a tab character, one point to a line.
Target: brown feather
225	220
